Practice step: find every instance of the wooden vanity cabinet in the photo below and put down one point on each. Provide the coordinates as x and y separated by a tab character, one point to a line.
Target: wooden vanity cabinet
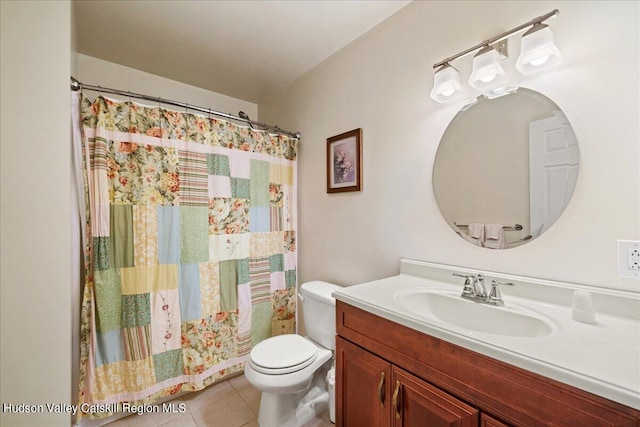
415	402
363	386
376	393
391	375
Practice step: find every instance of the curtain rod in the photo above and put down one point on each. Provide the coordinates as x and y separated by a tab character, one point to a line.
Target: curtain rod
76	86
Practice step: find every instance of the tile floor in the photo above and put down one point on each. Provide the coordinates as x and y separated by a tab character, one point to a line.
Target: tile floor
231	403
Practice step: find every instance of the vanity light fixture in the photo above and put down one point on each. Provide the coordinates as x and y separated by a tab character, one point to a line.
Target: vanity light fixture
446	85
487	71
538	52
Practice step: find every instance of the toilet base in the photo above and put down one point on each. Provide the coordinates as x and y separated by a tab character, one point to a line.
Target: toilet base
277	410
296	409
314	402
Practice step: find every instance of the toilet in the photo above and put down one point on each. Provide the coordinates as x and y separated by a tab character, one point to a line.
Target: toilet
291	370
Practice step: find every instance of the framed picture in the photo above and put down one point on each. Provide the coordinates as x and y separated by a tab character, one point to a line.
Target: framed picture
344	162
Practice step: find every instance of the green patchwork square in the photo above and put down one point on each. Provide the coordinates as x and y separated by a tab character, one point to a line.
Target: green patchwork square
121	236
243	271
194	234
290	278
240	188
276	263
108	299
136	310
218	164
228	285
101	247
168	364
261	321
259	187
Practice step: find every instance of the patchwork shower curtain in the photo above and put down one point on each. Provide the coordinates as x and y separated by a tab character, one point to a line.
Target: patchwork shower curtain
190	251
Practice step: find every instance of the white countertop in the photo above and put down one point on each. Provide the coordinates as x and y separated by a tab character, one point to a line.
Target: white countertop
603	359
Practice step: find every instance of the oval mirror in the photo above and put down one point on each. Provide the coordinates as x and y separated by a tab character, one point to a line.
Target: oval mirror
505	169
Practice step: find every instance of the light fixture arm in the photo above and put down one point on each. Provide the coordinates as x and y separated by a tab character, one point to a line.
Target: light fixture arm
499	37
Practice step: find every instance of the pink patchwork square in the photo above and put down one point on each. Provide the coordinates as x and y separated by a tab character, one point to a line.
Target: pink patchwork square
240	164
219	186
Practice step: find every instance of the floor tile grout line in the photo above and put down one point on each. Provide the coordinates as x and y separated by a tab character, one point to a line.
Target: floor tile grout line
246	402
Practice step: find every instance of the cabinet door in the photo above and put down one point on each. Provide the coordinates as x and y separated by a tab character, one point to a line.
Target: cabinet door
362	387
416	403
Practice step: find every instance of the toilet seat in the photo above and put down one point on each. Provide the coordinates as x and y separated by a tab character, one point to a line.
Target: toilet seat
283	354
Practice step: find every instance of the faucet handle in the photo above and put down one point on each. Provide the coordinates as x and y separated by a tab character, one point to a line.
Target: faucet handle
495	295
469	284
497	282
462	275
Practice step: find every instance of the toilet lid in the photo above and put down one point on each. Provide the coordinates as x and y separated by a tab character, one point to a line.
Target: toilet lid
283	354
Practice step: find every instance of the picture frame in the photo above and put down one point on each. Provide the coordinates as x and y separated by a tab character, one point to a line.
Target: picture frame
344	162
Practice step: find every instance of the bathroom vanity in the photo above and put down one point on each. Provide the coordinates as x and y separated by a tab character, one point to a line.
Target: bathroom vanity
411	352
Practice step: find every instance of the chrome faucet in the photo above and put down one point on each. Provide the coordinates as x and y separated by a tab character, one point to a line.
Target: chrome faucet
475	290
480	290
495	297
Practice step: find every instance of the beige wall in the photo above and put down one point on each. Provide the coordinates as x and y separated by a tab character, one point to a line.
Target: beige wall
97	72
74	43
381	83
35	349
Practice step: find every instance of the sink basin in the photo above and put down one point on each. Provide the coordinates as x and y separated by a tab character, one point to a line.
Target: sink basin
449	308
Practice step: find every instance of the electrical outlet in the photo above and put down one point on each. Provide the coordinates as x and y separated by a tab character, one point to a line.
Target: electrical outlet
634	259
629	258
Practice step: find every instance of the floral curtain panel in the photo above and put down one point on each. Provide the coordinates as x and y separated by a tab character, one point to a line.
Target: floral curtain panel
190	254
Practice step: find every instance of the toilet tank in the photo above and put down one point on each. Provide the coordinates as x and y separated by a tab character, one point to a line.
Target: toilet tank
319	311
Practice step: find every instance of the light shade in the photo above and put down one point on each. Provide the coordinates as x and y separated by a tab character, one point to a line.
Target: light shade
487	71
446	85
538	50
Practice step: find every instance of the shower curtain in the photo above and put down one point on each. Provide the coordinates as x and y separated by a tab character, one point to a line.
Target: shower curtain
190	250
